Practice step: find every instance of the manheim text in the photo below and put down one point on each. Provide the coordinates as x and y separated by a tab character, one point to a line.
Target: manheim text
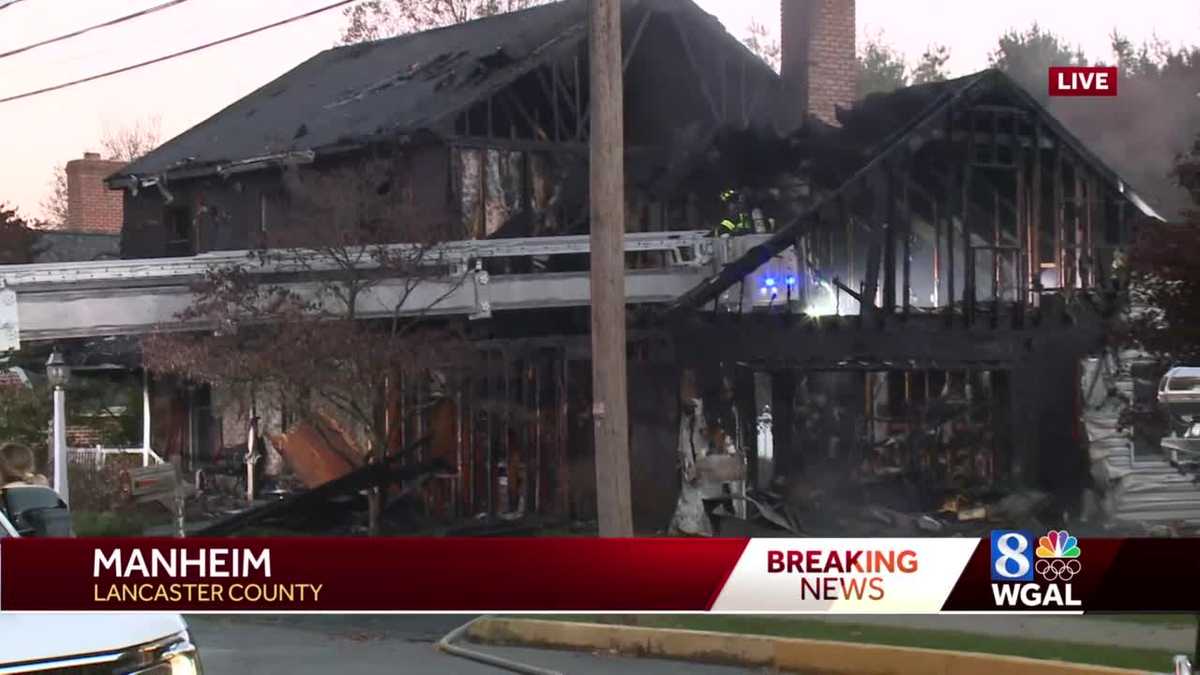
176	562
139	575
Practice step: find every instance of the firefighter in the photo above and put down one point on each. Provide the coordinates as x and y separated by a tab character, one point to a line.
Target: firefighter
737	221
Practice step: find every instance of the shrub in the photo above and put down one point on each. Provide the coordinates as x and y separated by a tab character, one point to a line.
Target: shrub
110	524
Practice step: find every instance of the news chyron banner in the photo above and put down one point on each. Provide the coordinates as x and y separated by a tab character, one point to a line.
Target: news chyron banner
1008	571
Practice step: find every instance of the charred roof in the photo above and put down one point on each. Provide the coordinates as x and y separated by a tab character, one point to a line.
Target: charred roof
350	95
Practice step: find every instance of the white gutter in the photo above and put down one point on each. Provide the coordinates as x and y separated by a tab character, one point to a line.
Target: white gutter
1137	200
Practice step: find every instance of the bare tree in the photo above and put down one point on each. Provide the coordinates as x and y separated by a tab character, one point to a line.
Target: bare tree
130	141
760	41
126	143
378	19
55	204
336	345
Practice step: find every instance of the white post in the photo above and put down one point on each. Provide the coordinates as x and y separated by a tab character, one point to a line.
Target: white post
251	456
145	418
60	444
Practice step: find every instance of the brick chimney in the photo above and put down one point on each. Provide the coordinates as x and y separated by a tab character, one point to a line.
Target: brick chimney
818	65
91	206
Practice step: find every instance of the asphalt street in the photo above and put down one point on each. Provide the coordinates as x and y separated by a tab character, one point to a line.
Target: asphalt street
362	645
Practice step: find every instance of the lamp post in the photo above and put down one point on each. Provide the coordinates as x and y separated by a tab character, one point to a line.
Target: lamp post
58	373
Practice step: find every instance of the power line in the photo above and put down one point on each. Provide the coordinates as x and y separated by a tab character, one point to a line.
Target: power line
8	4
184	52
81	31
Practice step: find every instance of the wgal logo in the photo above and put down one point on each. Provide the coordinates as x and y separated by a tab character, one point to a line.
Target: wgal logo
1015	561
1012	555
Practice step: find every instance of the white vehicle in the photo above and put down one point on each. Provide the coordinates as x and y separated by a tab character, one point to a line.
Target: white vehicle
1179	397
125	644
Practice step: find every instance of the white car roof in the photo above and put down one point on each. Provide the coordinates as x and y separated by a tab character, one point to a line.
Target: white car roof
1183	371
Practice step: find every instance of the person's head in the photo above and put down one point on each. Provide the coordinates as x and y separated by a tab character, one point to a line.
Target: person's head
16	461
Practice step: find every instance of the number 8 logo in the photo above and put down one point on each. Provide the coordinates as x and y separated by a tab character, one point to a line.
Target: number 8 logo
1010	554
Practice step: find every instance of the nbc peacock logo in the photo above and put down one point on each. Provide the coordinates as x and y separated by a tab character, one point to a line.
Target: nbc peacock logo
1058	556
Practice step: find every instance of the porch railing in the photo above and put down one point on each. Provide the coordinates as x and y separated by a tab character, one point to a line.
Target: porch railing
98	455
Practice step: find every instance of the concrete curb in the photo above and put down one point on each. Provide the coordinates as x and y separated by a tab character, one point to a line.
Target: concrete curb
785	654
446	645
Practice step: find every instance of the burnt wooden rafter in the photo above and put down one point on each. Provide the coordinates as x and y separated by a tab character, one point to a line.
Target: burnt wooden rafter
549	88
519	144
580	115
514	103
631	49
698	73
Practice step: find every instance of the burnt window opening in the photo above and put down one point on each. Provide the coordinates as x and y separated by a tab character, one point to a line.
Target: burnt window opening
271	207
506	193
180	233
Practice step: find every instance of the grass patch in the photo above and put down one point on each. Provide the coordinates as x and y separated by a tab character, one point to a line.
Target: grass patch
1100	655
107	524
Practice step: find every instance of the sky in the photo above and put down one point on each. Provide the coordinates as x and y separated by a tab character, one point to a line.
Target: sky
41	132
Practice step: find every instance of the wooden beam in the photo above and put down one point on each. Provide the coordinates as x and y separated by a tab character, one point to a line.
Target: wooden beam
1091	232
1020	217
515	103
871	280
565	148
848	291
637	39
1078	237
951	198
580	118
987	137
1058	217
847	220
884	193
906	211
968	252
937	255
697	71
564	83
996	247
549	87
1035	223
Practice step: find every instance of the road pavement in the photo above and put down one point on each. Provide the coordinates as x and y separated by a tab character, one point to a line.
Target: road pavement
365	645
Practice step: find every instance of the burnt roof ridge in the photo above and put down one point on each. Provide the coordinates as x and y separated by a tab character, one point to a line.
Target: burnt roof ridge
469	23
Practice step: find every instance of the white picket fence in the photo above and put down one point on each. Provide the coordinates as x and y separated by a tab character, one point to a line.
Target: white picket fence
97	456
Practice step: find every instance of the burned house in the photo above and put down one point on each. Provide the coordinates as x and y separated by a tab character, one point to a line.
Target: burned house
490	117
938	259
960	257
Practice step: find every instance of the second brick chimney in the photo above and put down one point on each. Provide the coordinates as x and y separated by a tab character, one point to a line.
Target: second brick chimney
91	206
818	59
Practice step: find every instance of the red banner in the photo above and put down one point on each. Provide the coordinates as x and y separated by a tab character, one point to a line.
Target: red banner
361	574
1011	571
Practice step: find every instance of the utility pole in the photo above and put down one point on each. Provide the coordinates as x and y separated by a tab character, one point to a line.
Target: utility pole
610	409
